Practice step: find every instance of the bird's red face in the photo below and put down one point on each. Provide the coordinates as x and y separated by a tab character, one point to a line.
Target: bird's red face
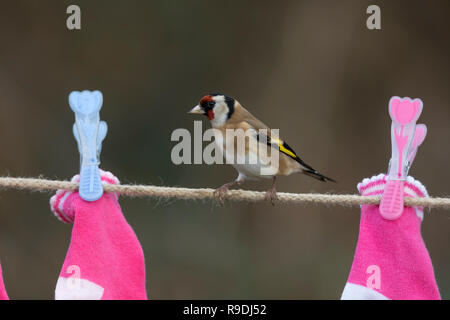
206	107
218	108
207	104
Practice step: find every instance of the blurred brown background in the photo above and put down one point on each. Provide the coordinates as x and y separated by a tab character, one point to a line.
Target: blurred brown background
311	68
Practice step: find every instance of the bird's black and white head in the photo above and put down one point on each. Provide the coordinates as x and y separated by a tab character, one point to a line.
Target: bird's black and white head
218	108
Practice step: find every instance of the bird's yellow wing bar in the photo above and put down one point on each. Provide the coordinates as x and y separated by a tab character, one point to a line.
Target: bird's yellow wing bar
284	148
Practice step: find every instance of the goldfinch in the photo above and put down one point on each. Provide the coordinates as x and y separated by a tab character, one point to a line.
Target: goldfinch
226	113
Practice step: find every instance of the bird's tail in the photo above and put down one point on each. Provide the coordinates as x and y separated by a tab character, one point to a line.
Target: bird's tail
316	175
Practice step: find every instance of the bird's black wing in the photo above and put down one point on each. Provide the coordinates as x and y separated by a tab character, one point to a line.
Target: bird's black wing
284	148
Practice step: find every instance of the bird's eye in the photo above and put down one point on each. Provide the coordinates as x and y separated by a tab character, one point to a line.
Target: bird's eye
211	103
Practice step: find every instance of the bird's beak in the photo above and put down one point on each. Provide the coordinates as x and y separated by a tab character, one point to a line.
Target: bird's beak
196	110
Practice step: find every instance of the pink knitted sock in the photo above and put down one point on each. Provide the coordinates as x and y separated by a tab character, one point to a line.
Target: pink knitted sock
391	260
3	294
105	259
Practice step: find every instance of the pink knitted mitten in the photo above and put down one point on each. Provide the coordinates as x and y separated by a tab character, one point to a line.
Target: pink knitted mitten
3	294
391	260
105	259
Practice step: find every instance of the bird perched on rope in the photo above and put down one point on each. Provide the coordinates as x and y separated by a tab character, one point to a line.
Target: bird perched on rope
225	114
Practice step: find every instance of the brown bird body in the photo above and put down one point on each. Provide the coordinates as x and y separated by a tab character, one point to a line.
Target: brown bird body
243	119
228	115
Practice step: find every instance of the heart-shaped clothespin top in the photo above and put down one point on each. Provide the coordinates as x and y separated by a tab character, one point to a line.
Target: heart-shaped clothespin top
405	110
86	102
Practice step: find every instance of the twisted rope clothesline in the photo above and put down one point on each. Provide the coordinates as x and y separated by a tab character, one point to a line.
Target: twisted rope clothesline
198	194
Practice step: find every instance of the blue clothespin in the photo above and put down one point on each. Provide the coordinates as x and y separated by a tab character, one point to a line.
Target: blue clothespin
89	132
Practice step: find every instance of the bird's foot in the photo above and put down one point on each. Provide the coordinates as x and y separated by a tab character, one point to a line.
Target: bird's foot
272	196
221	192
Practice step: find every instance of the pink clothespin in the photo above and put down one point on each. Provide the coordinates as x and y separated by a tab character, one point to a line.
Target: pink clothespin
406	139
419	137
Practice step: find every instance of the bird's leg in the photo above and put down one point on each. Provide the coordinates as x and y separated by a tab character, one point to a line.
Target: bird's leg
220	193
271	194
